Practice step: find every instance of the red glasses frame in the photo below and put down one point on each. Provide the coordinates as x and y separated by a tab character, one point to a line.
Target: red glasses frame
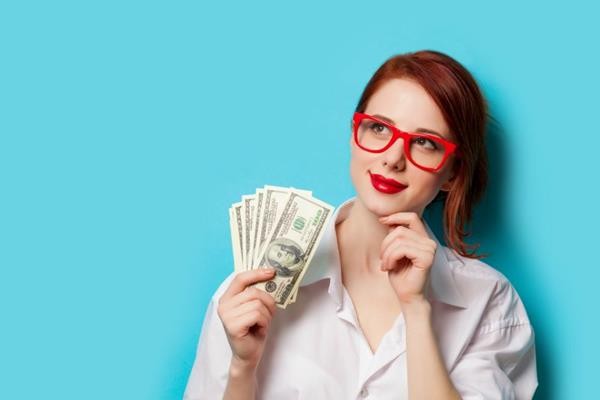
449	147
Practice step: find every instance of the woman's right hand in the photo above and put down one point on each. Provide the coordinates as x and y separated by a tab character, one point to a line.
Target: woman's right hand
246	314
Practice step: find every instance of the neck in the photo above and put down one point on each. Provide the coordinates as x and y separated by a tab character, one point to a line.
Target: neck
359	239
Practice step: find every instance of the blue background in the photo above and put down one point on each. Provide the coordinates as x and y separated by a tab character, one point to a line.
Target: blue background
128	128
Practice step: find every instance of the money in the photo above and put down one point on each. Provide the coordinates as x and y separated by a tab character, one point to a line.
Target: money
281	228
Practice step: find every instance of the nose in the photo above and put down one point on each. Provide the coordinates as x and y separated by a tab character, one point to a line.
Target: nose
394	157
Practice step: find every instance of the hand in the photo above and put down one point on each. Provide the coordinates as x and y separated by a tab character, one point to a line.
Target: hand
246	314
407	254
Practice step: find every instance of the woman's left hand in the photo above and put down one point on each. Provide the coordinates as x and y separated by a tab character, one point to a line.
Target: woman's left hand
407	253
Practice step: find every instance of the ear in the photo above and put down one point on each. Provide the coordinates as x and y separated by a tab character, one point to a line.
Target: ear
449	182
446	186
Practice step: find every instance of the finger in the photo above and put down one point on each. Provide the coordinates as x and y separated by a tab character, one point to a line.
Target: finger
397	252
232	316
401	232
257	310
231	308
386	261
251	293
254	293
409	239
250	306
413	256
246	278
242	324
422	247
410	219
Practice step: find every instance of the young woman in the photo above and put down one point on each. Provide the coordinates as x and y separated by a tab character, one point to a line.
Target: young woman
385	311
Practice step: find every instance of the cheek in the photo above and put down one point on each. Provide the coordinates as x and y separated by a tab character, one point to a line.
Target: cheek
358	167
359	160
426	187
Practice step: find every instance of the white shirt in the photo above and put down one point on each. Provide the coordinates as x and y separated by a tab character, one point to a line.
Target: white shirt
316	349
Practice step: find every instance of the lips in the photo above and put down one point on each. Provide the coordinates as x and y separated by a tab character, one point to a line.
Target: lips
385	185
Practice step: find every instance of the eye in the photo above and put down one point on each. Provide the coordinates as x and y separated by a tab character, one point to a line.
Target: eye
427	143
379	129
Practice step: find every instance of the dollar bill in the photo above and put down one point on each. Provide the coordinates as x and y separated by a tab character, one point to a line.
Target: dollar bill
248	202
235	224
275	198
258	210
274	226
236	237
292	245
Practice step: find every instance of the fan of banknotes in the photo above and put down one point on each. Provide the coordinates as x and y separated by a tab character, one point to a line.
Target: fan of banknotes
281	228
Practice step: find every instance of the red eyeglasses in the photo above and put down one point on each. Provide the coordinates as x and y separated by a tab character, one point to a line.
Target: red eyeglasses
426	151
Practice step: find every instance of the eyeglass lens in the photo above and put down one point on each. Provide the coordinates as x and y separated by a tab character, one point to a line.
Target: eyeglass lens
425	152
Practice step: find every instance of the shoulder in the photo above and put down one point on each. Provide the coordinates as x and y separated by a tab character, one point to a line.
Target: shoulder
218	293
488	290
471	268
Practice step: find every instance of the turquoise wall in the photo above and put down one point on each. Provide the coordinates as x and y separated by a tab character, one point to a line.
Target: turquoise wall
128	128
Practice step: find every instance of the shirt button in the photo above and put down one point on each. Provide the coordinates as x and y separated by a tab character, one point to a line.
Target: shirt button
364	392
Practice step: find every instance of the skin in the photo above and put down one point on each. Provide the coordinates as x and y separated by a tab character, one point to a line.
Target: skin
410	107
246	314
386	241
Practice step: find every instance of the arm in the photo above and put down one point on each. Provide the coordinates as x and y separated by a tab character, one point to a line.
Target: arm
241	384
499	362
232	340
427	375
246	314
407	253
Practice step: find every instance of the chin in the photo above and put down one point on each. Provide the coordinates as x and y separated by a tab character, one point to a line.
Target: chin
380	204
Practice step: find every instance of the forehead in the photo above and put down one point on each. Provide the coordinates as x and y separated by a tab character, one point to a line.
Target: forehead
408	105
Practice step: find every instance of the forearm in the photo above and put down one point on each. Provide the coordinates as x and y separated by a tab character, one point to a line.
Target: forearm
241	384
427	375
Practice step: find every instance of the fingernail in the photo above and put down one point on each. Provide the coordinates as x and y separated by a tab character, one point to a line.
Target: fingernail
268	271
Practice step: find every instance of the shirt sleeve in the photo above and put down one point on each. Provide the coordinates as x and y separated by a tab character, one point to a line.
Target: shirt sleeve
500	361
210	371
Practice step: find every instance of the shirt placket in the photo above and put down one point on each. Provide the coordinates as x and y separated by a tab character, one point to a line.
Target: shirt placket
392	345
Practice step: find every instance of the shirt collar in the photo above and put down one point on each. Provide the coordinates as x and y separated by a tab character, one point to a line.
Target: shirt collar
326	265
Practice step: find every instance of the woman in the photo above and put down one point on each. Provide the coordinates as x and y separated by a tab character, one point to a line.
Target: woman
385	311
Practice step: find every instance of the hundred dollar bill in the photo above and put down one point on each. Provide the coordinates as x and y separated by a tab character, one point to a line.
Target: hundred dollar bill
295	292
292	245
248	202
258	209
236	238
275	199
237	224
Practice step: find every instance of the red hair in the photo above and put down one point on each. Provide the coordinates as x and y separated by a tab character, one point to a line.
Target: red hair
465	111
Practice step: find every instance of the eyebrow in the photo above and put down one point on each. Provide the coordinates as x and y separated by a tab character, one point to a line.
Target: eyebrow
425	130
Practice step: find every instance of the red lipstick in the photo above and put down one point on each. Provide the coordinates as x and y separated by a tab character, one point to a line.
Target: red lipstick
384	185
